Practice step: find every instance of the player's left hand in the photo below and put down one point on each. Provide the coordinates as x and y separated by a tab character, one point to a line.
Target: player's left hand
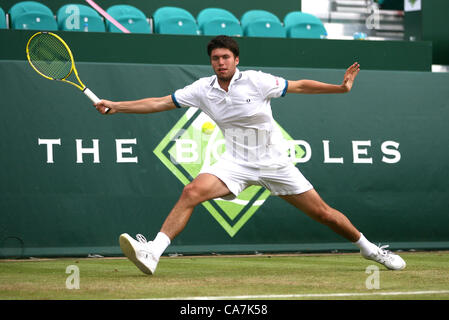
350	75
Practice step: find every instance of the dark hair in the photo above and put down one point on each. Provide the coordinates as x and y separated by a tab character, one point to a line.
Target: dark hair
223	42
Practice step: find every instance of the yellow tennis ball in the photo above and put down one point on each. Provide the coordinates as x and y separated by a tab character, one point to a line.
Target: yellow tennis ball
207	127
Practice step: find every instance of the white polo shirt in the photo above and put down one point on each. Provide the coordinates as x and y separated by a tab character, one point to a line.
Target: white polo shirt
243	114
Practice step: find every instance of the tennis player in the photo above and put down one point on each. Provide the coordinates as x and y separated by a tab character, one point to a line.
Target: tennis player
239	102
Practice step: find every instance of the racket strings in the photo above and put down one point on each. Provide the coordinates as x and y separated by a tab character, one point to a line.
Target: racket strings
50	56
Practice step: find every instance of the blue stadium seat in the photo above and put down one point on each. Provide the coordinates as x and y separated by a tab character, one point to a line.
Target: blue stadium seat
32	15
262	23
217	21
79	17
128	16
174	20
2	19
303	25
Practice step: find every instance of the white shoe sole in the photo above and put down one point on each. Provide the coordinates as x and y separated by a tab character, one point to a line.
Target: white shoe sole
395	268
128	249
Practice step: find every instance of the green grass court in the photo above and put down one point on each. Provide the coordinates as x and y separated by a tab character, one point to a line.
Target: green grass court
265	277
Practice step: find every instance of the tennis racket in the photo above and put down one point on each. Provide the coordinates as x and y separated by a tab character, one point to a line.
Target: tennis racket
51	57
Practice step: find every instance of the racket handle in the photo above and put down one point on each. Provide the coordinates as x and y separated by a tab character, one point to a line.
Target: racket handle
93	97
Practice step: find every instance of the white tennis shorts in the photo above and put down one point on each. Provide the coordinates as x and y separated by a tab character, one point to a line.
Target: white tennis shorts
280	181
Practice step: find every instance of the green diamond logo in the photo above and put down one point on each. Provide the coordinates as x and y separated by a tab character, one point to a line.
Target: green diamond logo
186	148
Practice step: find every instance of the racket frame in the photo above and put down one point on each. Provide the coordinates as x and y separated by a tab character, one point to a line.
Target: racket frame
73	70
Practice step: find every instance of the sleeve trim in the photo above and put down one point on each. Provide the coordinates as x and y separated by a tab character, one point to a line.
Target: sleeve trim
175	101
285	89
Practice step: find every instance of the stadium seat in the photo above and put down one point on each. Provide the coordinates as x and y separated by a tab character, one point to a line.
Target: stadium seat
32	15
2	19
79	17
217	21
128	16
174	20
262	23
303	25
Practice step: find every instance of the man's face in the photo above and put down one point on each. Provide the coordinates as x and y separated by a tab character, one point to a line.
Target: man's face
224	63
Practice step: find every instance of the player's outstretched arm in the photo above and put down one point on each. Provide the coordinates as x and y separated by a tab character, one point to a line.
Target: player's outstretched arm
148	105
316	87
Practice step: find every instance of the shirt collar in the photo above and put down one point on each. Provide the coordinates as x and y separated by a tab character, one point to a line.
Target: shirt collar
237	76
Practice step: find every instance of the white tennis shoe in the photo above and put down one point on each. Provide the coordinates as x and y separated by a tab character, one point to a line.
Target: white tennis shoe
139	252
387	258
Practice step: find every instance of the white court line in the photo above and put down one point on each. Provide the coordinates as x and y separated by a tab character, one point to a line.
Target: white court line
308	295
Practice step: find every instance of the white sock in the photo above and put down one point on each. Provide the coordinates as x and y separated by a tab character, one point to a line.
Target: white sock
160	243
366	247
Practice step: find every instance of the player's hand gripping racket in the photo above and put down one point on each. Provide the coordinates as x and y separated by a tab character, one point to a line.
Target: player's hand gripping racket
51	57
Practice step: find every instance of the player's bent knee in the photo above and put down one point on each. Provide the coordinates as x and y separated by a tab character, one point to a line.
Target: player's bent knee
193	193
190	191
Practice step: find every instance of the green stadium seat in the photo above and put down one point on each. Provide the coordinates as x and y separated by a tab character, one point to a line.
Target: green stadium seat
303	25
128	16
32	15
79	17
2	19
174	20
262	23
217	21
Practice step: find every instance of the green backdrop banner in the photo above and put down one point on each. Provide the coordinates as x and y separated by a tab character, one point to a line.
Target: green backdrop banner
73	180
268	52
